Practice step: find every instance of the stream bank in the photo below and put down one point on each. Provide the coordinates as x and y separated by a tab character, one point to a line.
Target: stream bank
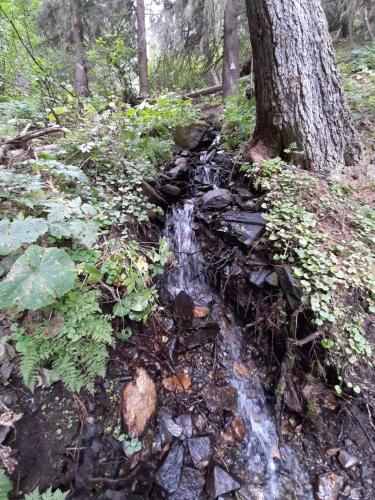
213	357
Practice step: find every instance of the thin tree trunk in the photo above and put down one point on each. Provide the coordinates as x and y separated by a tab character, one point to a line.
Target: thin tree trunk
367	24
80	73
144	87
231	63
300	99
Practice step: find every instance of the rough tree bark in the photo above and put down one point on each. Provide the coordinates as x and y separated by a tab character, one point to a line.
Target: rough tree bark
144	87
231	63
80	71
367	24
300	99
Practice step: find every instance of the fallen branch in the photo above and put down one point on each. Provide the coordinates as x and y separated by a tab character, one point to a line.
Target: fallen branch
203	92
22	139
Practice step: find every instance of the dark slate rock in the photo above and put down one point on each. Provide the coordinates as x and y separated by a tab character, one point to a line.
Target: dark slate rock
200	449
191	485
4	431
291	286
346	459
259	278
272	279
243	227
168	428
220	482
179	172
216	198
186	423
184	305
170	191
169	474
203	335
218	399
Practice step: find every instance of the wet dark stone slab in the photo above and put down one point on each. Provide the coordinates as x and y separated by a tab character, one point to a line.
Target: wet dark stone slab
184	306
220	482
218	399
169	474
191	485
291	286
243	227
216	198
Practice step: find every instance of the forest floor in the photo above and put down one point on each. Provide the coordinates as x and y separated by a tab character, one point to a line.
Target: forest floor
77	442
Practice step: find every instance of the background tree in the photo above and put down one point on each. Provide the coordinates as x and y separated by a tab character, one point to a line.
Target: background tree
81	78
300	100
231	57
144	87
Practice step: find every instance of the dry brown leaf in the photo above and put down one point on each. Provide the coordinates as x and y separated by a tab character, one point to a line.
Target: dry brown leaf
241	370
139	400
201	312
238	429
178	382
9	463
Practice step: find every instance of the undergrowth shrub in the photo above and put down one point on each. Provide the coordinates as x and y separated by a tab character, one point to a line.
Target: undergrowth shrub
239	116
327	239
71	344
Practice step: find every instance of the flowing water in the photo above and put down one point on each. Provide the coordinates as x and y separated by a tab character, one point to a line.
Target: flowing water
272	472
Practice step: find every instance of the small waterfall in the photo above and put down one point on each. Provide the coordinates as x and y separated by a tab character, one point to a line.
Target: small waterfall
189	274
284	478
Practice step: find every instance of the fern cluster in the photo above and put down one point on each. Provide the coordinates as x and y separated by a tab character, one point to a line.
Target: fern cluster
72	344
47	495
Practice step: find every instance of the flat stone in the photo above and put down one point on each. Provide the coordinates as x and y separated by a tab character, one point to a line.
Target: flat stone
190	487
200	449
218	399
167	425
184	305
220	482
4	431
272	279
189	136
186	423
243	227
259	278
169	474
170	191
216	198
203	335
328	486
347	460
291	286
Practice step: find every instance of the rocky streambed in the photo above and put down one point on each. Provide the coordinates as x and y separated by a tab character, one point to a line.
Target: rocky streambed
191	408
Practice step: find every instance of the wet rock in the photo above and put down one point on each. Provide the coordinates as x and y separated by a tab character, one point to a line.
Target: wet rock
347	460
220	482
328	486
243	227
200	449
218	399
4	431
190	487
167	426
206	333
238	429
216	198
189	136
179	382
259	278
184	306
291	286
272	279
180	171
169	474
138	403
171	192
114	495
153	196
292	398
186	423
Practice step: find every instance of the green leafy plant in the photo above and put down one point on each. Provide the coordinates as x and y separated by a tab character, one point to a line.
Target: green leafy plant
37	279
303	233
47	495
72	343
5	485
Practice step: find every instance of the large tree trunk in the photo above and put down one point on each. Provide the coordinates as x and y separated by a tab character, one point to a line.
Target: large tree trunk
300	99
80	72
144	87
367	24
231	64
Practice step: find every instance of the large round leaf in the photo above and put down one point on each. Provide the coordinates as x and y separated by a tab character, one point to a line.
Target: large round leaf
15	234
37	279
